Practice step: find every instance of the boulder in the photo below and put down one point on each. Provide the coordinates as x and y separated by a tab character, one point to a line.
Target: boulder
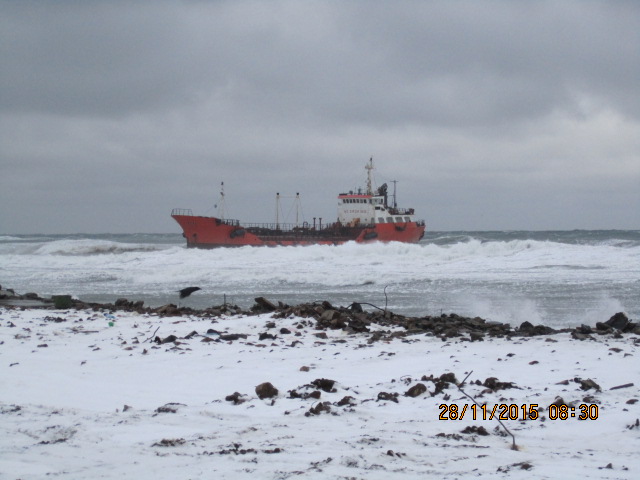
266	390
618	321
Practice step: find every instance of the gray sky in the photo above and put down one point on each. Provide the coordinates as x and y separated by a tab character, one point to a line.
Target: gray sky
491	115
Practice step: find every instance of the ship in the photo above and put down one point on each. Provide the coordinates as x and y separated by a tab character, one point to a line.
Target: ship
364	216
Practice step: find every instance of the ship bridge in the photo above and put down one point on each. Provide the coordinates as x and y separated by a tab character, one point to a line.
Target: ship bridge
358	209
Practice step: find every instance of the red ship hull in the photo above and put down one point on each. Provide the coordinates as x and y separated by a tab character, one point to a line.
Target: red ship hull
212	232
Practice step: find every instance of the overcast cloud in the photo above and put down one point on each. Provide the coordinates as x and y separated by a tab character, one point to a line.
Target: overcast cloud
491	115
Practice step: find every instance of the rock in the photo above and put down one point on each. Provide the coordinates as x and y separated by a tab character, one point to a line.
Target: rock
230	337
415	391
586	329
526	326
316	394
618	321
266	390
580	336
169	339
494	384
236	397
588	384
169	310
388	396
62	301
329	315
324	384
264	305
476	336
475	429
559	401
318	409
347	401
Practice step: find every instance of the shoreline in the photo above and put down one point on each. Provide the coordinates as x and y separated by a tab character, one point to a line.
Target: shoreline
351	319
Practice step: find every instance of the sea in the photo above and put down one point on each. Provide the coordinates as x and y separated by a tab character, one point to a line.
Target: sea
555	278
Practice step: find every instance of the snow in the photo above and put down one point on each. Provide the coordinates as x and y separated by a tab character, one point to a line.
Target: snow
64	386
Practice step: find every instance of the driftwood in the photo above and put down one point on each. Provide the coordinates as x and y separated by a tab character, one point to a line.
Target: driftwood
513	438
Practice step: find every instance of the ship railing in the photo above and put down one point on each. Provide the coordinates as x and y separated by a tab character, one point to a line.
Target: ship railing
292	227
401	211
182	211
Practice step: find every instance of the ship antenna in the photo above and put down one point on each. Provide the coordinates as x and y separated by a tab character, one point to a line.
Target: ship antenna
369	168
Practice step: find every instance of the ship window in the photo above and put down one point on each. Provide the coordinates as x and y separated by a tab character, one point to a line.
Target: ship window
407	219
380	220
399	219
389	220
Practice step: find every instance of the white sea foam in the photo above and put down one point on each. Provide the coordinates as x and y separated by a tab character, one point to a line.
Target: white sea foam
507	280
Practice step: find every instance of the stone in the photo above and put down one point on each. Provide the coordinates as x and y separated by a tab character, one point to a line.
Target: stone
618	321
324	384
266	390
415	391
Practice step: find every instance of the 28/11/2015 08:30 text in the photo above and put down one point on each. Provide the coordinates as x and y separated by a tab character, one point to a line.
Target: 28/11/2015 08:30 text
504	411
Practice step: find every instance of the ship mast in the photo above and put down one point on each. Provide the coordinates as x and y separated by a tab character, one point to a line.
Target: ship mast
369	168
221	205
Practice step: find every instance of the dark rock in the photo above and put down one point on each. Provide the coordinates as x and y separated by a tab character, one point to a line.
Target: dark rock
122	302
168	310
169	408
475	429
588	384
356	307
315	394
415	391
494	384
586	329
169	339
230	337
285	331
526	326
263	305
324	384
393	397
618	321
319	408
266	390
580	336
169	442
266	336
346	401
236	397
476	336
62	301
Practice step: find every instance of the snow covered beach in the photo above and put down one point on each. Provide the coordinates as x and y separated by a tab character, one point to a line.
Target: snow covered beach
99	393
